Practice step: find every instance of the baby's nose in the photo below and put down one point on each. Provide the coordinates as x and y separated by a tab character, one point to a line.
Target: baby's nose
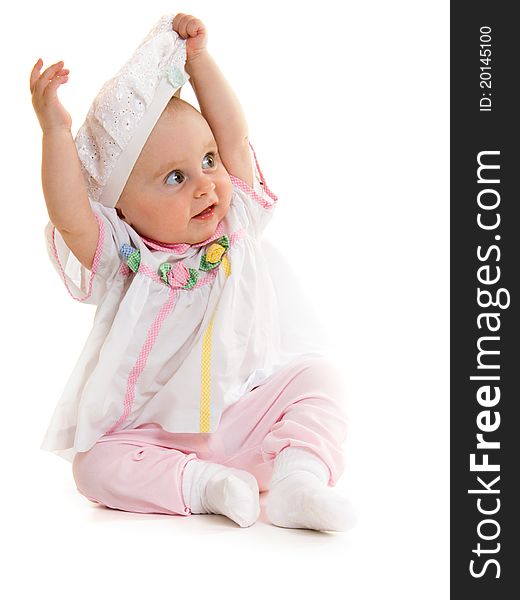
204	186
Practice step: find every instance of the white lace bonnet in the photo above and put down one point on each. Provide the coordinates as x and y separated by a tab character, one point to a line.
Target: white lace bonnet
126	109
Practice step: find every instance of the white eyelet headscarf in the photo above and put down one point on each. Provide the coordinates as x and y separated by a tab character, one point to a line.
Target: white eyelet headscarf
126	109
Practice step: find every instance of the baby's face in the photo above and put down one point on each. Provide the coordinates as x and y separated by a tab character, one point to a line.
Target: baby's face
177	176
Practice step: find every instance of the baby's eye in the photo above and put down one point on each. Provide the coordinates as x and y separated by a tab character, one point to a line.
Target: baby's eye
208	161
175	178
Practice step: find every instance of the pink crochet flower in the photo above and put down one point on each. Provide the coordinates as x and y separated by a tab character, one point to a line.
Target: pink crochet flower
178	276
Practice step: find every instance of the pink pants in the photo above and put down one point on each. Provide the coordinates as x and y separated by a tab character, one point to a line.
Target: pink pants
140	470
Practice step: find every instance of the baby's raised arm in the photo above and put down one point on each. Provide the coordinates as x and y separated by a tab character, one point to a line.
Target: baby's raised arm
218	103
62	180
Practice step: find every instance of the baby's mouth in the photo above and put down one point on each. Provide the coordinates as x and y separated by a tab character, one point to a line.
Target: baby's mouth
207	212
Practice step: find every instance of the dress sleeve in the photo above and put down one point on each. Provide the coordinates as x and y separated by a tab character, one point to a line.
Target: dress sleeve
83	285
259	201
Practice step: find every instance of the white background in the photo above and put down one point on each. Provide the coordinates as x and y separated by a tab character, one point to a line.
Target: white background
347	105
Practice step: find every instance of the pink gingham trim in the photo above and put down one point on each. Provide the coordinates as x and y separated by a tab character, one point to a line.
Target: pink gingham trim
125	270
236	235
95	262
149	272
268	199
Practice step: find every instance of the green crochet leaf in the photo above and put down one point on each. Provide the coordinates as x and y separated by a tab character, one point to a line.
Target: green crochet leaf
134	260
163	270
224	241
194	275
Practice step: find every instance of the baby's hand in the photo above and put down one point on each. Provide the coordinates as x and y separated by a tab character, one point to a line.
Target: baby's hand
48	108
194	31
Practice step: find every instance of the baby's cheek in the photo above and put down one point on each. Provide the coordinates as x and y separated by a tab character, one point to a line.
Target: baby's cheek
226	190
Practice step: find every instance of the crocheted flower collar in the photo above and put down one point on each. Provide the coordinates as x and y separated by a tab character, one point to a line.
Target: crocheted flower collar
176	274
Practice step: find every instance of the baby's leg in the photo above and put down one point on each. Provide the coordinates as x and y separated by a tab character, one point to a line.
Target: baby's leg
143	477
306	441
132	476
288	432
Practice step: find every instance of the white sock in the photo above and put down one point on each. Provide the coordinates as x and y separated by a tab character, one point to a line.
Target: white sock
210	488
299	495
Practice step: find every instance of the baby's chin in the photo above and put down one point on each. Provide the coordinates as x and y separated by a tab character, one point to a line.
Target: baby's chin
203	229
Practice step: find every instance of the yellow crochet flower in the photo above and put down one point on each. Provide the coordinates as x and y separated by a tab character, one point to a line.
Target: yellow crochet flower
213	257
214	253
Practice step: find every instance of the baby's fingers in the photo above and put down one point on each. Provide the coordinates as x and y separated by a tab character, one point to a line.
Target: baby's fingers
35	73
177	22
194	26
187	25
60	78
46	77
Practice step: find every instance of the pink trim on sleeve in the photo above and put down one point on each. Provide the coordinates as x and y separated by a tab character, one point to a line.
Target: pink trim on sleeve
268	199
95	262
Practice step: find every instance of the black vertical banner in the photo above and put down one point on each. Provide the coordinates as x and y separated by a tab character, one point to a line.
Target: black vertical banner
485	298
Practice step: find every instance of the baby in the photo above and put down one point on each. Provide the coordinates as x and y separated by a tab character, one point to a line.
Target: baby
193	392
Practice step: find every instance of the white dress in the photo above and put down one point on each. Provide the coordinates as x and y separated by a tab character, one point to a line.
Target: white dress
180	332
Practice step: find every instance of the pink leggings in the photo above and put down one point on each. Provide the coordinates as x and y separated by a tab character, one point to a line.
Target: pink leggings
140	470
